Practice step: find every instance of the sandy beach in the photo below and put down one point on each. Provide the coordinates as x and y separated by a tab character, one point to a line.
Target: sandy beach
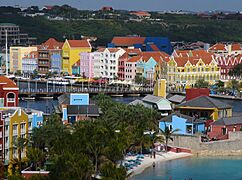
148	161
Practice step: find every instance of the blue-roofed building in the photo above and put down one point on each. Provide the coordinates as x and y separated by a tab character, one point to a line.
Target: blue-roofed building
144	43
187	125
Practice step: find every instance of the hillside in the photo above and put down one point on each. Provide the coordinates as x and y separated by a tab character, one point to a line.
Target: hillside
176	27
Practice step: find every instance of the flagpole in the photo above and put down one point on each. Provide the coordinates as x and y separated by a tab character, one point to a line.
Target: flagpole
6	51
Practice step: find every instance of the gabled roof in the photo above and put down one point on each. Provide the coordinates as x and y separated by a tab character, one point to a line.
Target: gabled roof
218	47
134	59
204	102
169	117
228	121
236	47
7	83
152	99
111	50
51	44
128	41
79	43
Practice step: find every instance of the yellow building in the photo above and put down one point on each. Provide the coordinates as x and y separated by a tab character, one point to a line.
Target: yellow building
16	55
185	71
205	107
71	53
15	125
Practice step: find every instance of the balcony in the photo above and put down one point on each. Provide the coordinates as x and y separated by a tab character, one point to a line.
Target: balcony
10	99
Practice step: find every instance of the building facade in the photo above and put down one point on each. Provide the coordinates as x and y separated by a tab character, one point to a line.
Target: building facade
8	92
16	55
71	53
87	65
106	62
49	56
30	63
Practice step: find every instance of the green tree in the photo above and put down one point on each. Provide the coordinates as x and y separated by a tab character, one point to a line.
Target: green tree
236	71
168	133
234	85
20	143
110	171
35	156
18	73
201	83
35	74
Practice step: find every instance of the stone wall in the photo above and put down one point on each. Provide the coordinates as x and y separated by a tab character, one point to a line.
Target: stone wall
232	146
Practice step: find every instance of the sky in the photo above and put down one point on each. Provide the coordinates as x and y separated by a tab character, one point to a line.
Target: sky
151	5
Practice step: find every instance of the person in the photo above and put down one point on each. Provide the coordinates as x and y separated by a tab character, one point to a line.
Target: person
153	164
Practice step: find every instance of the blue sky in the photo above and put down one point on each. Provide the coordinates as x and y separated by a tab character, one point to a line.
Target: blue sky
156	5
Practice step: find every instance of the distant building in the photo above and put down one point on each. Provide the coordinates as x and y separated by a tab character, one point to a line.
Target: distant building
71	53
107	8
8	93
141	14
15	37
76	107
221	49
187	125
17	54
50	56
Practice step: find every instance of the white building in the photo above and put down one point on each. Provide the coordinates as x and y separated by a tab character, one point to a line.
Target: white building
30	63
106	62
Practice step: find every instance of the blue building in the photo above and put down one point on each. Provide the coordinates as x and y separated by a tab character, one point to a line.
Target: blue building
76	107
144	43
187	125
56	62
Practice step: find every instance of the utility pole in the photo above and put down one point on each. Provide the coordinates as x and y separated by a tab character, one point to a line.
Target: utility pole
6	51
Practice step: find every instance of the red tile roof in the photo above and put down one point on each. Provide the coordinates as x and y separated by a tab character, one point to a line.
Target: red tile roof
154	47
218	47
128	41
79	43
51	44
134	59
141	13
236	47
7	83
111	50
181	61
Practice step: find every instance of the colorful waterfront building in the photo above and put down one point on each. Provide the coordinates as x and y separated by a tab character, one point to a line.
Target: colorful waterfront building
16	55
185	71
226	64
18	123
221	49
106	62
50	56
186	125
8	92
205	107
130	68
71	53
129	53
30	63
87	65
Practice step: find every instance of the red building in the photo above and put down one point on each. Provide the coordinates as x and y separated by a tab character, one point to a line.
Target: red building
8	92
107	8
219	129
124	58
196	92
228	63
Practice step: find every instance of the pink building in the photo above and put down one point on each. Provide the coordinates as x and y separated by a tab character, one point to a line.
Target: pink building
130	68
87	64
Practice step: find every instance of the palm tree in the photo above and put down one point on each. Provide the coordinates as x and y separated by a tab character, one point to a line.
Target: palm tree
20	144
167	133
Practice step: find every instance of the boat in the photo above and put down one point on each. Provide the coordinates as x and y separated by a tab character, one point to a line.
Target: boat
117	95
46	97
133	95
28	98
